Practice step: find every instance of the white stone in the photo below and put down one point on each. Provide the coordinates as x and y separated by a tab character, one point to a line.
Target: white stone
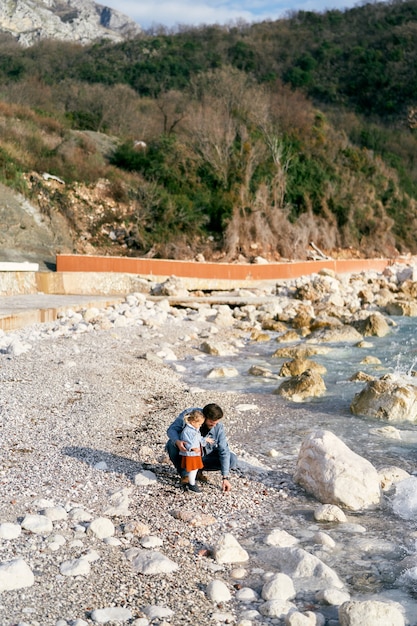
80	515
156	612
9	530
332	596
278	587
145	478
246	594
278	537
228	550
324	539
101	466
149	563
151	542
306	570
218	591
334	474
55	513
75	567
296	618
276	608
389	476
101	527
370	613
329	513
37	524
15	574
111	614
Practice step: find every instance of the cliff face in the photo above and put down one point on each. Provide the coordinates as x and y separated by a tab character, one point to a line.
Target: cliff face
80	21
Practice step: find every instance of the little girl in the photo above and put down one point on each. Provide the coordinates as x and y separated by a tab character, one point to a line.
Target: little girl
191	460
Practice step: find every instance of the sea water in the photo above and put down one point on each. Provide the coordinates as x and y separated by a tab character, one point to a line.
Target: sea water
370	561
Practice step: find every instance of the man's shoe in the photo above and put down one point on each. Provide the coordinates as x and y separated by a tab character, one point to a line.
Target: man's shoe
194	488
184	480
202	477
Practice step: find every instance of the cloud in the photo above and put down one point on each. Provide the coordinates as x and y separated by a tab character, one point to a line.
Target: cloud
187	11
198	12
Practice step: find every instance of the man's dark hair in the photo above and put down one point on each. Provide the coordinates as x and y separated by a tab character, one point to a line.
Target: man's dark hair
213	412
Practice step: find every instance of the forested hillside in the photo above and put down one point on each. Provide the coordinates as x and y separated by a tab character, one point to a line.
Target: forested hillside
254	139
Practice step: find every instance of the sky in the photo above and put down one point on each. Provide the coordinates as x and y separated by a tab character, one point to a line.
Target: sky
150	13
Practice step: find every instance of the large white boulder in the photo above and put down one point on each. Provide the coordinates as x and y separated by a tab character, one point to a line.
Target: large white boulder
334	474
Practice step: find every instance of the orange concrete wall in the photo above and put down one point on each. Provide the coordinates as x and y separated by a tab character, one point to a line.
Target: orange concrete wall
226	271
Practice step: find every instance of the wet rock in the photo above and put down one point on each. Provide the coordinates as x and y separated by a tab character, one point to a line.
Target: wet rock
298	366
338	334
374	325
309	384
308	572
370	613
387	398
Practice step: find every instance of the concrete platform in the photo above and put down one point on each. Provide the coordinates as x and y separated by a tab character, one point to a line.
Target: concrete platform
22	310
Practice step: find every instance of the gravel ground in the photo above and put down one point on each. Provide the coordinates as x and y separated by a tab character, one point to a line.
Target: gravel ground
78	400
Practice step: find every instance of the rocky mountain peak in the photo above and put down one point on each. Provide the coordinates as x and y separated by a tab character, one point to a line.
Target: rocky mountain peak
81	21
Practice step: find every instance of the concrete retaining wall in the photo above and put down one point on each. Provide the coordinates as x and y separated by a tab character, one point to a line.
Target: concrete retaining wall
98	275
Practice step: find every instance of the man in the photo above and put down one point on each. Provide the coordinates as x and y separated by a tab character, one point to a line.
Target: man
216	456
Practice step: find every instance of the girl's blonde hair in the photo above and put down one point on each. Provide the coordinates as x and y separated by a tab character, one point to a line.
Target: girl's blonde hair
194	416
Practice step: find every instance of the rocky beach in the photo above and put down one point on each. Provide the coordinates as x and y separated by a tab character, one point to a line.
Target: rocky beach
94	525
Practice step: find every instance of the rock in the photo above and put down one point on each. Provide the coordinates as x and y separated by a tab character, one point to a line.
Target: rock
111	614
309	384
150	563
387	399
298	366
101	527
145	478
279	587
217	349
370	613
9	530
278	537
228	550
306	570
374	325
38	524
334	474
300	351
329	513
75	567
156	612
81	21
217	591
332	596
223	372
246	594
15	574
276	608
295	618
402	307
389	476
290	335
258	370
344	333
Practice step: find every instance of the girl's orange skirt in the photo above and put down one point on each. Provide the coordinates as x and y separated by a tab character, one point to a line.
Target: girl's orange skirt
190	463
